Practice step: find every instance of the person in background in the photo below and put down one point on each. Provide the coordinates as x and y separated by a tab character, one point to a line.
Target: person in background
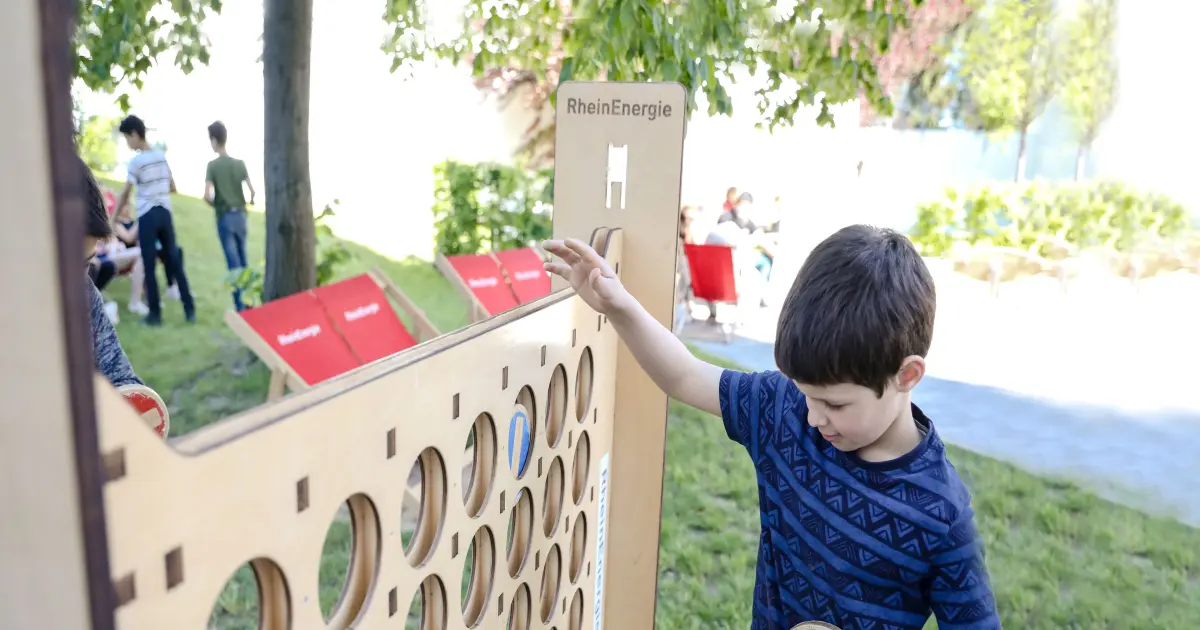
108	355
149	171
731	199
223	189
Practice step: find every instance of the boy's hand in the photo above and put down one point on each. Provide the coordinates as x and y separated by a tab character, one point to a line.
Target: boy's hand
589	274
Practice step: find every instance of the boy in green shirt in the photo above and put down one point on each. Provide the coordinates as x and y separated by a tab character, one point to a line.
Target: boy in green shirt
223	189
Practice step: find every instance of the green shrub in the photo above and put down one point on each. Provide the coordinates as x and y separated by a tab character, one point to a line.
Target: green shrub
488	206
96	142
1104	214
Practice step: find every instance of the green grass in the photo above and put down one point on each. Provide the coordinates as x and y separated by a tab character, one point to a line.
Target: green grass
1059	557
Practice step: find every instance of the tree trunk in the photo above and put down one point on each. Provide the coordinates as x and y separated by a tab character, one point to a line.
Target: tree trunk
1080	161
291	233
1020	175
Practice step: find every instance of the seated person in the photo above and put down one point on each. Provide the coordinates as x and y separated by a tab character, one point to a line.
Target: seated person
743	215
125	229
112	259
109	357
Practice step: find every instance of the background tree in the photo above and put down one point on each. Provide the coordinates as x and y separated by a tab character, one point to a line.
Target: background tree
118	41
820	52
291	232
1008	67
914	69
1090	75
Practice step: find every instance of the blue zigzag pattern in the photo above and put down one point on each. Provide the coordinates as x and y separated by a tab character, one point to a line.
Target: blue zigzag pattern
858	545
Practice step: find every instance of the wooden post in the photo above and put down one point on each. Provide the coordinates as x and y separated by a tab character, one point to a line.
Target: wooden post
619	163
54	572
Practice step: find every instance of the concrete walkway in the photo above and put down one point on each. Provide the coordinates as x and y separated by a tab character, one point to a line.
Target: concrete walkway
1098	386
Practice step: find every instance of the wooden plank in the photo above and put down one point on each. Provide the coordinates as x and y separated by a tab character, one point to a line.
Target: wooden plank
54	572
649	120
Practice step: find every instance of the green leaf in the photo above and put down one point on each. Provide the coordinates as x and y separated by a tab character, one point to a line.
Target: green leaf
669	70
568	67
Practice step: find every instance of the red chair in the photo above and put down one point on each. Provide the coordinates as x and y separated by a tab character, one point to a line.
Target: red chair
311	337
526	275
714	277
481	280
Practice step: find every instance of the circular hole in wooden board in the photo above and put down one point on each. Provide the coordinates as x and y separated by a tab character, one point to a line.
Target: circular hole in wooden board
575	619
428	608
520	533
479	572
349	561
551	579
583	384
480	472
424	506
552	497
581	467
521	433
556	406
521	614
256	591
578	546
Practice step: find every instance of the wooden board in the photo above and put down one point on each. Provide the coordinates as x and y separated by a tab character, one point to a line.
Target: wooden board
264	486
53	571
649	121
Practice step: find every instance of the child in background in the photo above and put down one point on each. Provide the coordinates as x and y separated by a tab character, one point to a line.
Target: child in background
865	522
223	189
109	357
149	171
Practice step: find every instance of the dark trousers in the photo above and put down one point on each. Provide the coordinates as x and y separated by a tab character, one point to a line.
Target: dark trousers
154	228
231	230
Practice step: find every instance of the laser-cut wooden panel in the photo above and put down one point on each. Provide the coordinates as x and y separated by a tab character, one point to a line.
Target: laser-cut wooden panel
180	523
264	486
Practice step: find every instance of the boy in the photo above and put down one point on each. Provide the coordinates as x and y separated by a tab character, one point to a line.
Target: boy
223	189
865	523
109	357
149	171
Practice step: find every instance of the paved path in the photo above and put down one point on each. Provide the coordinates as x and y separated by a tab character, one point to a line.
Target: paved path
1099	387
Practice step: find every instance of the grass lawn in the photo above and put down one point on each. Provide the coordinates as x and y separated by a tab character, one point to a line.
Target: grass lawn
1059	557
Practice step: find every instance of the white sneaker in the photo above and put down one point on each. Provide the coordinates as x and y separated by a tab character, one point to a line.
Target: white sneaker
139	308
173	292
110	309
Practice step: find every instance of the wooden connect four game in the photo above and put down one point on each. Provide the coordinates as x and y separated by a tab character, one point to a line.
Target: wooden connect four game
538	439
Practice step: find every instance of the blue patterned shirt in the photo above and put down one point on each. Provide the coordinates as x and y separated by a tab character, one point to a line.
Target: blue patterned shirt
861	545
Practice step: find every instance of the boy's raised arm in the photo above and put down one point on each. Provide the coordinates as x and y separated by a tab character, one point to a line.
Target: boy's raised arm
664	357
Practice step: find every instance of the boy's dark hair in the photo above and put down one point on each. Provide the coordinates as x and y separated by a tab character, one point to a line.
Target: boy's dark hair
217	131
133	124
747	197
99	224
862	302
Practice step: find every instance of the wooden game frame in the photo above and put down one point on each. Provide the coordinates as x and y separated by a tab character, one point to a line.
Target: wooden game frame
98	533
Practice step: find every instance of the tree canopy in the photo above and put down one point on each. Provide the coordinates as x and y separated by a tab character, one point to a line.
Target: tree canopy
118	41
813	53
1089	88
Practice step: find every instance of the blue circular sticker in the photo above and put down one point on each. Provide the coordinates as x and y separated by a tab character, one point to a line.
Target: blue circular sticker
520	440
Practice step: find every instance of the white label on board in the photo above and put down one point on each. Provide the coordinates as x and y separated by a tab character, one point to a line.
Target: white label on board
601	534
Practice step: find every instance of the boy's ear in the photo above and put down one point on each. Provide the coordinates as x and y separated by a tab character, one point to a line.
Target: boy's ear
912	370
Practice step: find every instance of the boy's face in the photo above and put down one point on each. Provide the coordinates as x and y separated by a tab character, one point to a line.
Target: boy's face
131	140
851	416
